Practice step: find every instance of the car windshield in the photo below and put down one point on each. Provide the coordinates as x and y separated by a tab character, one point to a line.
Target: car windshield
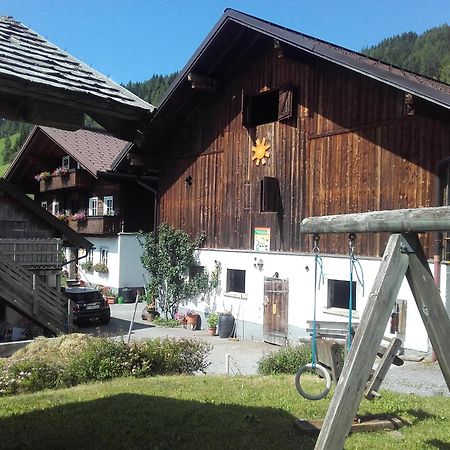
85	297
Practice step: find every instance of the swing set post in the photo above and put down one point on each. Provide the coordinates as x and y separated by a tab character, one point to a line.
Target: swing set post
369	334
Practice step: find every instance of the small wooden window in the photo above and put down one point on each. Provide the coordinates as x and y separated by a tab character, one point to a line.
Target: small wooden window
270	194
44	205
104	256
93	206
65	162
108	206
236	281
338	294
267	107
55	208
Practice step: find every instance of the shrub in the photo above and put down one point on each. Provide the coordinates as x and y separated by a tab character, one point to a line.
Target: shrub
102	359
170	323
286	360
74	359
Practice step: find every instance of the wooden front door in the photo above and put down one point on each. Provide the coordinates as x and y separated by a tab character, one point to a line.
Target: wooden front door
276	299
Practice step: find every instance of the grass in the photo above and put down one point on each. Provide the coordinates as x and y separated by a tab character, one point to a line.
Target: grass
3	169
182	412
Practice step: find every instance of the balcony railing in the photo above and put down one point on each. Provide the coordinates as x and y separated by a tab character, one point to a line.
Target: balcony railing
34	253
97	225
74	178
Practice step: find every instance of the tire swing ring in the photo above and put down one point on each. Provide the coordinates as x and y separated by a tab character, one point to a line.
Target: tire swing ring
317	368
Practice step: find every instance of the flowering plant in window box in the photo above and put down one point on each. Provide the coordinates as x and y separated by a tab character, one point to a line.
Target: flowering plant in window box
61	216
43	176
79	217
87	266
60	171
101	268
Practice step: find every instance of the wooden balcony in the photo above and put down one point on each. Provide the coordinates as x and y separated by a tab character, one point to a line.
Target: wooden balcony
97	225
73	179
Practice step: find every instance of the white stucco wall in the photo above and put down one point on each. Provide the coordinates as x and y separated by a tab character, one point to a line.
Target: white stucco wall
111	278
124	264
299	270
132	273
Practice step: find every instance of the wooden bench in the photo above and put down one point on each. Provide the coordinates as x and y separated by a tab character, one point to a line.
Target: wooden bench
331	348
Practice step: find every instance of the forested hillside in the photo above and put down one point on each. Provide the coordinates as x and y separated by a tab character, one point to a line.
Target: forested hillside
427	54
153	89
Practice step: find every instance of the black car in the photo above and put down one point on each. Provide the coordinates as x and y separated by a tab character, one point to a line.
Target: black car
89	307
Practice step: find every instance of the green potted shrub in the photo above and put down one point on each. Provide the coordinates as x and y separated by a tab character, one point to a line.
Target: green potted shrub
212	320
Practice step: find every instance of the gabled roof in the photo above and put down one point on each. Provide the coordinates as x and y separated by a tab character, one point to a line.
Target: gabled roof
235	29
94	150
70	237
54	88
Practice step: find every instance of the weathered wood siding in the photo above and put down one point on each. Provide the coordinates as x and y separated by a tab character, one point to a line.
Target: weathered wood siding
350	148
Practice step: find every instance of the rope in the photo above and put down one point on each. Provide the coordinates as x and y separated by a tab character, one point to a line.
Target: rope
318	264
355	266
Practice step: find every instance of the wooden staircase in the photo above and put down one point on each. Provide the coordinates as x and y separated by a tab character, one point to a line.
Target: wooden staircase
26	293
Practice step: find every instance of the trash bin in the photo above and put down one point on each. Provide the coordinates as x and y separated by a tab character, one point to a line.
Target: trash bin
127	295
226	326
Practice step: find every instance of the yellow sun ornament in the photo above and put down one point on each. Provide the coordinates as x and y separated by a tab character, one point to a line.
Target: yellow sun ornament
260	151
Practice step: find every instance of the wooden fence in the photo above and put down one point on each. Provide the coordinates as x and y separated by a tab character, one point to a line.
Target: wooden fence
25	292
34	253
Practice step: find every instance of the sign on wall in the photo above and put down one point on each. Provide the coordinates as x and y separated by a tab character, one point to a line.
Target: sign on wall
261	239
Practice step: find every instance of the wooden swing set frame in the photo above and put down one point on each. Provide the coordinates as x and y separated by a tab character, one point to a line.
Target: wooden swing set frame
403	256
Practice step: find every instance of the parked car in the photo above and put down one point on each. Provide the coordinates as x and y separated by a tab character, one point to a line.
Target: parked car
90	306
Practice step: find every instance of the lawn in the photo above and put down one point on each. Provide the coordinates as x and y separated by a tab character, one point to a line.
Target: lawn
208	412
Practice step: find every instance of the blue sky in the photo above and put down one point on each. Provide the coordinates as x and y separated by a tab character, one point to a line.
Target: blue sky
134	39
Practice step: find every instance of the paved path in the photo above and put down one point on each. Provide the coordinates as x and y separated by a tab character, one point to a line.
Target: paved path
420	378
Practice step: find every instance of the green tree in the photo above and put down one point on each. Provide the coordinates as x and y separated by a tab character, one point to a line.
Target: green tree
168	255
8	153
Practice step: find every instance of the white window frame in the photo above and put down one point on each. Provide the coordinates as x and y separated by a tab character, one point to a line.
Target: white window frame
79	166
93	206
55	207
90	255
108	205
65	162
104	255
44	205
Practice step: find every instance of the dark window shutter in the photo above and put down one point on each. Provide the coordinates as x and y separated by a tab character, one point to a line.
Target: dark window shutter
270	194
285	104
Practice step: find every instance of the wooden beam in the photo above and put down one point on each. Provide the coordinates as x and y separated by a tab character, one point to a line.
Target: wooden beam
393	221
31	110
358	364
430	305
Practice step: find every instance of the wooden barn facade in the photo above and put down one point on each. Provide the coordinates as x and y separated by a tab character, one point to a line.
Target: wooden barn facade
266	126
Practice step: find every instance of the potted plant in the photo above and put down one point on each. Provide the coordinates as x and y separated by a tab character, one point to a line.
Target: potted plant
60	171
192	320
43	176
212	321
